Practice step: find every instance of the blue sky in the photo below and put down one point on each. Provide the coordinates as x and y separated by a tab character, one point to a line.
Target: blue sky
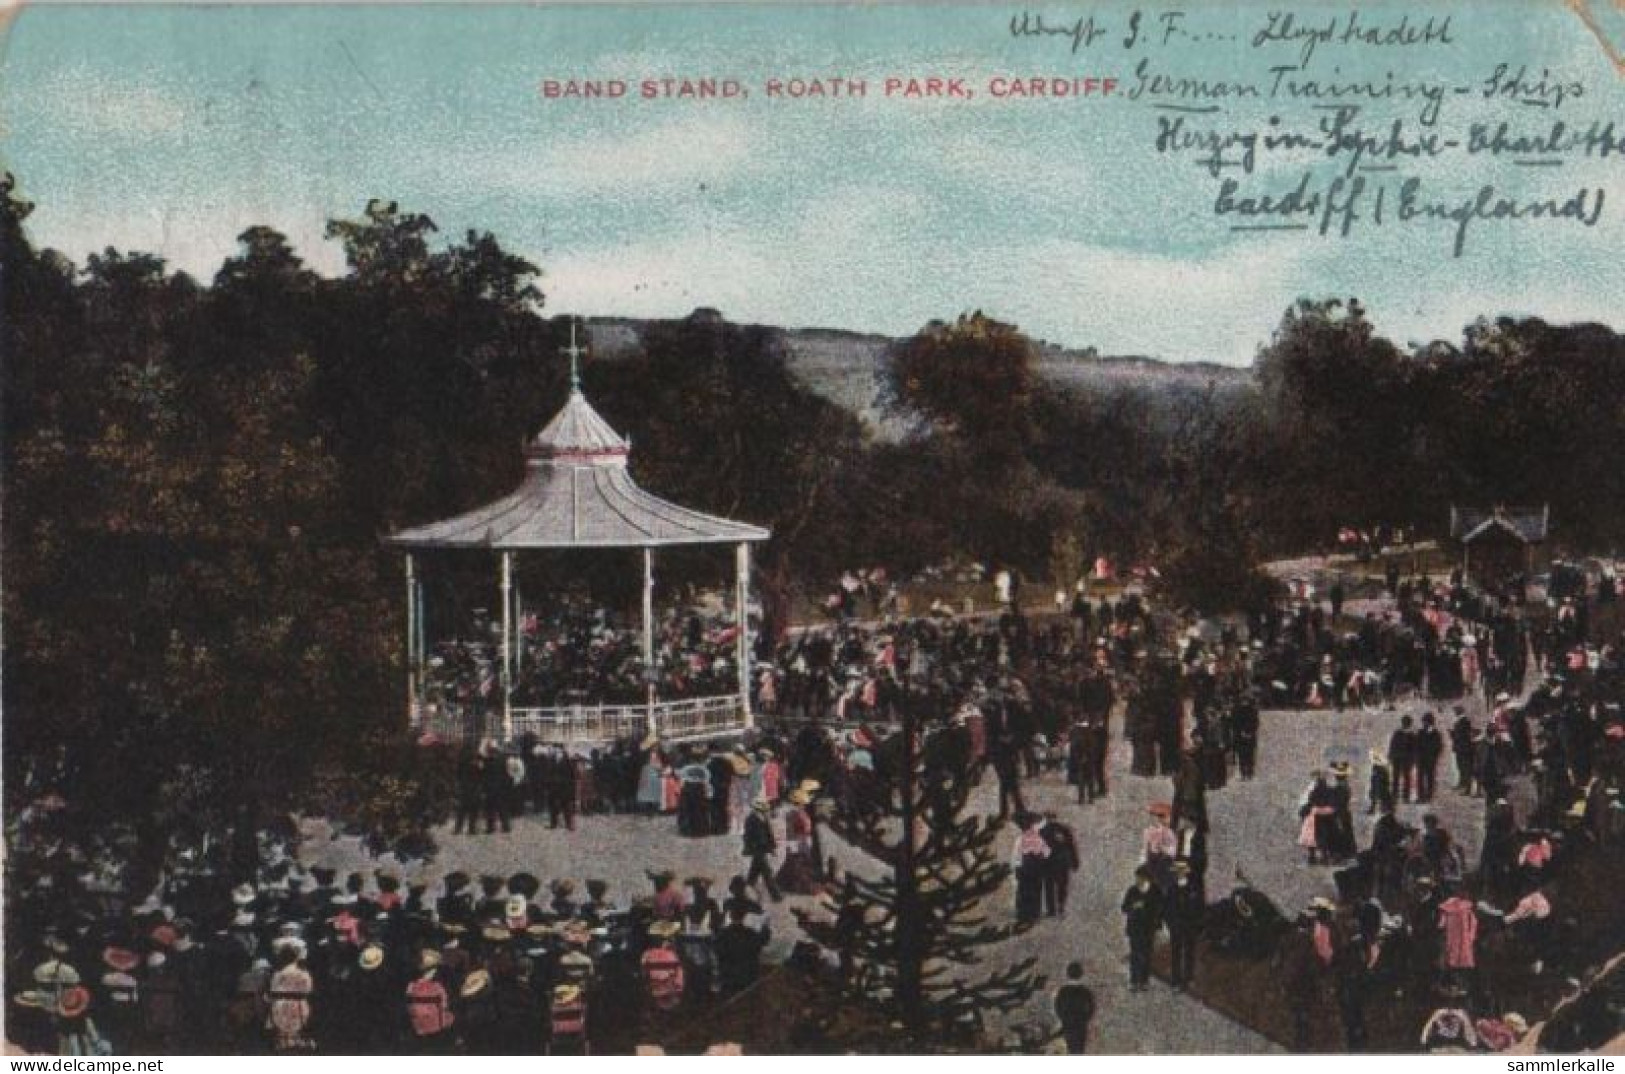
170	129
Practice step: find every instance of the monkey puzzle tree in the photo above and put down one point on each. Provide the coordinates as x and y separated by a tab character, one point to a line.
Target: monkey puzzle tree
914	937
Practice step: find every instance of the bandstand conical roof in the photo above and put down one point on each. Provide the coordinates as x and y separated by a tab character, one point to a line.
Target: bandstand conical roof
577	493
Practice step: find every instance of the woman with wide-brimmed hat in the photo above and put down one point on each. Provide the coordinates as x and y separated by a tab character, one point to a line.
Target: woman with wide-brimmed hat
567	1019
428	1007
76	1033
798	875
662	968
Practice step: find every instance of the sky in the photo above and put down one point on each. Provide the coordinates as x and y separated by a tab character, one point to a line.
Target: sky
171	129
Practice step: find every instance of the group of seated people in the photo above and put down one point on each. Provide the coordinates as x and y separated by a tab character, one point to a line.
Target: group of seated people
580	654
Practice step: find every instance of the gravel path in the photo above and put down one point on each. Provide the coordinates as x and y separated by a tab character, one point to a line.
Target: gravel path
1254	825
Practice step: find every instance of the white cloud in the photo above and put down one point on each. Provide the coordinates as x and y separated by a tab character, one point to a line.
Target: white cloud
100	104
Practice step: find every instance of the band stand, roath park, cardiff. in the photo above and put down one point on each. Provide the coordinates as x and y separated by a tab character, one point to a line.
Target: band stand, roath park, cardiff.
577	494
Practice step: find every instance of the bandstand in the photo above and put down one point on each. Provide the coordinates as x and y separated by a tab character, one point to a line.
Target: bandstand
577	494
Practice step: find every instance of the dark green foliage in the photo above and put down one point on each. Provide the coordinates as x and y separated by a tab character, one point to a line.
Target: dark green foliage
917	933
196	477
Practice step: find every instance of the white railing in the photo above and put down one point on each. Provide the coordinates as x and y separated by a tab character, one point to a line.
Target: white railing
687	718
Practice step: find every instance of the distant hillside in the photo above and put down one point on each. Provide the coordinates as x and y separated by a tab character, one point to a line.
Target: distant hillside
842	366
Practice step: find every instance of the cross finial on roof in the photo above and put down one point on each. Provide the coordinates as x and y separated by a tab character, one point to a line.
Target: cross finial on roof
575	352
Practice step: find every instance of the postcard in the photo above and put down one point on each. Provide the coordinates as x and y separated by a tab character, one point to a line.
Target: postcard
810	528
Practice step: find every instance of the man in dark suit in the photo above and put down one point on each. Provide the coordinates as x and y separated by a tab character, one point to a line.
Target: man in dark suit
1142	917
561	790
1244	733
1429	748
721	771
1402	754
759	847
1184	909
1060	865
1075	1009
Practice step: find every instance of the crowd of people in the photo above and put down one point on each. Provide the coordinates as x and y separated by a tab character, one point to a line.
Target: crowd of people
578	653
290	959
303	960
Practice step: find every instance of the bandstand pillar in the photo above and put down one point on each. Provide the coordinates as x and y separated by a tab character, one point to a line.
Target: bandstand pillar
413	662
742	615
649	635
507	646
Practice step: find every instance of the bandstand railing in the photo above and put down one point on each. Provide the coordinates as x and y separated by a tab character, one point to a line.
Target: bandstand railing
693	717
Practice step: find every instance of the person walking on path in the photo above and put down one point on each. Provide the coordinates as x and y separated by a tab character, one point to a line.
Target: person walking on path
759	847
1142	916
1075	1009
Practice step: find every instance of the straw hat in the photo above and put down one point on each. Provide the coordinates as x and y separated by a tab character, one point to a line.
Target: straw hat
663	930
429	959
118	982
372	956
121	958
475	983
566	993
496	934
811	786
55	972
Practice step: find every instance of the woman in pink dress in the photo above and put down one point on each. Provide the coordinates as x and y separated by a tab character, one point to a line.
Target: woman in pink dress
1458	923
